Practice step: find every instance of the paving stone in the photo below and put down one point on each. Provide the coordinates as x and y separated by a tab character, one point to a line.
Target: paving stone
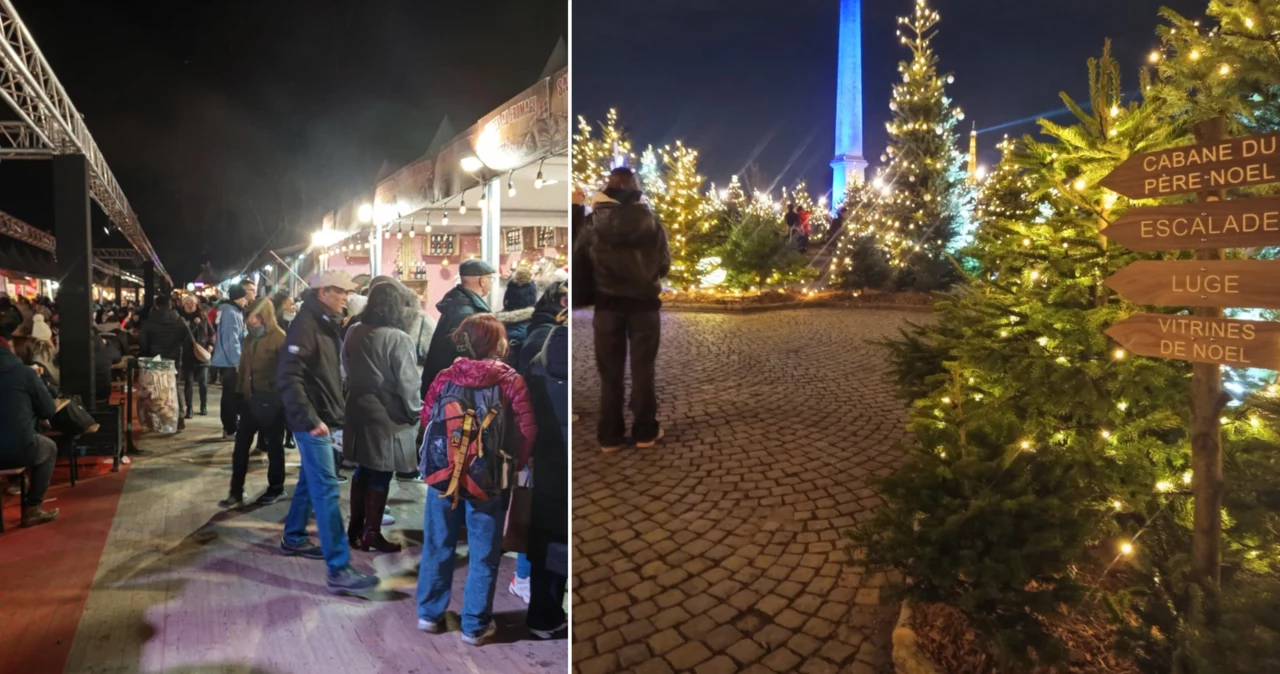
781	660
733	529
688	656
818	666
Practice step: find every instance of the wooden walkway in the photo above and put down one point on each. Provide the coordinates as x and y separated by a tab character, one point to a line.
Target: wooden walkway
183	587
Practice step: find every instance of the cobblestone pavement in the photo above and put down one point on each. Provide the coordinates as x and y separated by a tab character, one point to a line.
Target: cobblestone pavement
720	550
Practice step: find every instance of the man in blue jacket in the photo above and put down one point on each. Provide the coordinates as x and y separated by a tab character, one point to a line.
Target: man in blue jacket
24	401
229	330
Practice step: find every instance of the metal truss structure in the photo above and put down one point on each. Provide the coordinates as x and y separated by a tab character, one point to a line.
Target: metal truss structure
120	254
50	124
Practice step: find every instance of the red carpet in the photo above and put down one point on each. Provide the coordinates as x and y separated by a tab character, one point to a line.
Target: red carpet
46	571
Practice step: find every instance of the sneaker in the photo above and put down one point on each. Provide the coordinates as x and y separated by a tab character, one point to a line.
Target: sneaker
483	637
228	436
412	478
520	588
546	635
34	516
349	580
270	497
231	503
304	549
649	443
342	479
388	520
13	490
431	626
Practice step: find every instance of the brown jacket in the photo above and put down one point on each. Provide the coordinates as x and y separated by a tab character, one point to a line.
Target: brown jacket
259	356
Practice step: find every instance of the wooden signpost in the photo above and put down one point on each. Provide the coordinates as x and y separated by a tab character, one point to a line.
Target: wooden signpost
1196	283
1209	283
1243	223
1211	165
1220	341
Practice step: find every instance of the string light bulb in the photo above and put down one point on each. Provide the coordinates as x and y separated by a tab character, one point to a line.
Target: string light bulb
1154	57
1126	548
462	208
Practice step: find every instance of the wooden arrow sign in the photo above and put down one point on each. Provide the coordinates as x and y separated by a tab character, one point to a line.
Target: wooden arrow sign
1234	162
1203	340
1246	284
1242	223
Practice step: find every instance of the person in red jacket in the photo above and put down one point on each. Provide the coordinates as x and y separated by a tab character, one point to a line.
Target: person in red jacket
470	382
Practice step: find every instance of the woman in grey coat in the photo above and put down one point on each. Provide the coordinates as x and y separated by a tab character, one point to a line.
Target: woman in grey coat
382	408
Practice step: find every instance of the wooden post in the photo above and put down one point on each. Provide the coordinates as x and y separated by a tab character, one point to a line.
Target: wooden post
1207	401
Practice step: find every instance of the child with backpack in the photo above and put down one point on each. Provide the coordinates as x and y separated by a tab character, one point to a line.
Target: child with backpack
479	432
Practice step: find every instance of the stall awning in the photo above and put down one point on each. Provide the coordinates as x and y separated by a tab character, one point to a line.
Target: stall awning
25	258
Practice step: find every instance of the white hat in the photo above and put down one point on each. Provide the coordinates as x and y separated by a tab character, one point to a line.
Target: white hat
40	329
335	278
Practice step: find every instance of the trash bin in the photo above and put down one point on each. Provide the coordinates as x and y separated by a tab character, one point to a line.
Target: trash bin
158	395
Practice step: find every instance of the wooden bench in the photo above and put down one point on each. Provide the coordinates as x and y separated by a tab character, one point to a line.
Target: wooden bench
21	474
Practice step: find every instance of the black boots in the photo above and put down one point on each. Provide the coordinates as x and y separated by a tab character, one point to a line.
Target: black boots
374	505
359	488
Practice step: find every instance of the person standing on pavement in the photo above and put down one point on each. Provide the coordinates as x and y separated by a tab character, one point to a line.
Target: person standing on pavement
804	229
195	373
309	378
628	252
286	310
463	300
261	411
229	332
792	221
164	334
479	374
382	410
544	364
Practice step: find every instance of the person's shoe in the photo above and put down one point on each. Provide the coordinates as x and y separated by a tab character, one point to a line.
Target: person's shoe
270	497
414	477
610	449
304	549
646	444
288	441
228	436
374	505
34	516
188	412
350	581
547	635
13	490
182	424
231	503
520	588
431	626
483	637
387	518
204	411
342	479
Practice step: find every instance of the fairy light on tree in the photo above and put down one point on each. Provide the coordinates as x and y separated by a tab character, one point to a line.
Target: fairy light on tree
680	207
595	156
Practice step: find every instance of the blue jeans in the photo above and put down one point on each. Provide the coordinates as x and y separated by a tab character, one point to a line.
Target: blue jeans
440	524
317	490
523	566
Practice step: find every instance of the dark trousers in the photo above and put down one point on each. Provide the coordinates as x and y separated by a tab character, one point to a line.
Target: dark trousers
198	375
268	433
40	470
378	480
615	331
230	399
546	593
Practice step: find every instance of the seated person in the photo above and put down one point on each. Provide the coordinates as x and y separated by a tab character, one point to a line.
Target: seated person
107	353
24	401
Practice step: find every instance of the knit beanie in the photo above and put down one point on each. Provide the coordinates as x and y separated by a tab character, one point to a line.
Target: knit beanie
41	330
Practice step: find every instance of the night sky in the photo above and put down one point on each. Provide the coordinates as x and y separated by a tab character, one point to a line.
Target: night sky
754	80
228	123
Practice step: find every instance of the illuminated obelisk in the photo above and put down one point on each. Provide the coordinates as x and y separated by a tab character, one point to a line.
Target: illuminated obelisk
848	167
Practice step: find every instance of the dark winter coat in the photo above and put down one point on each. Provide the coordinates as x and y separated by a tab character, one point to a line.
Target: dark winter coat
310	372
164	334
515	397
628	250
550	516
107	352
202	331
454	307
24	401
584	283
383	399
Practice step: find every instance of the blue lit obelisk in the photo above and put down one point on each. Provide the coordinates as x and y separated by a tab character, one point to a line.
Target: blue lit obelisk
848	167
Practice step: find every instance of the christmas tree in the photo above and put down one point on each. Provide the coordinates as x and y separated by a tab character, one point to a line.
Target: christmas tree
926	201
680	207
595	156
